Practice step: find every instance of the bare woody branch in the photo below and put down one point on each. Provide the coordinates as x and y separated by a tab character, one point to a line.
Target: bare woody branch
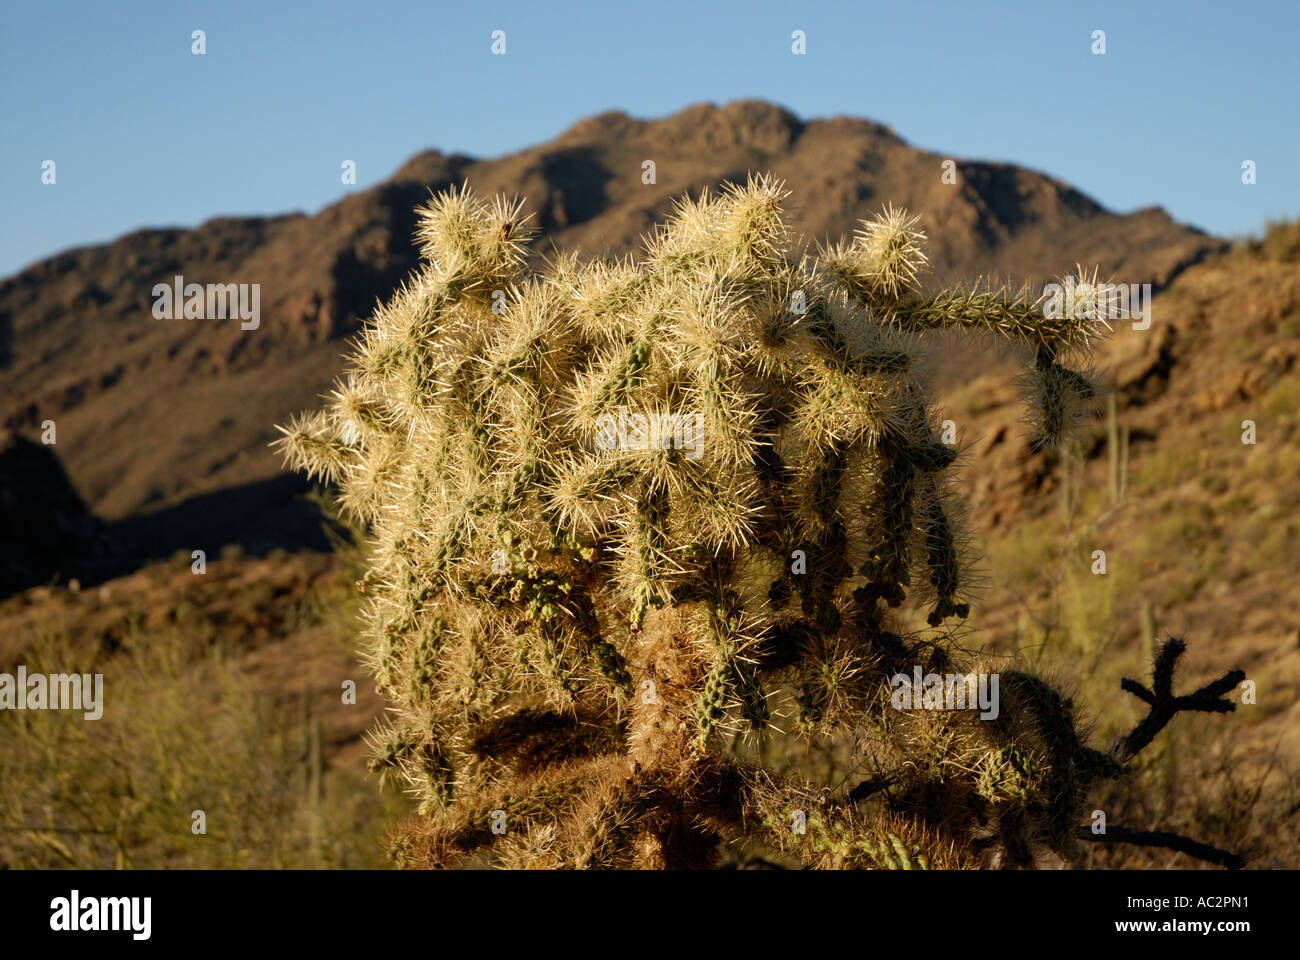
1166	840
1164	705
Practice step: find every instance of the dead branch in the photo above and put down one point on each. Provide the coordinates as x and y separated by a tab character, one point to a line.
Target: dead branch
1167	840
1163	703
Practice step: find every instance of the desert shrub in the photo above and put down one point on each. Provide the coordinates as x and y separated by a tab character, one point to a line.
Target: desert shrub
180	731
622	511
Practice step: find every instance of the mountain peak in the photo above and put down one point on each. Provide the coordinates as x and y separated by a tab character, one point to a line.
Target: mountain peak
740	123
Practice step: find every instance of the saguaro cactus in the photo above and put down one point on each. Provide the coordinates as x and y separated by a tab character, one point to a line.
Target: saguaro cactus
616	506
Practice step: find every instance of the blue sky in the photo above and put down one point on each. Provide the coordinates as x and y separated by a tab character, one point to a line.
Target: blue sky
144	133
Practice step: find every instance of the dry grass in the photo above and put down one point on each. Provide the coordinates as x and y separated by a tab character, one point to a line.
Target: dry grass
212	688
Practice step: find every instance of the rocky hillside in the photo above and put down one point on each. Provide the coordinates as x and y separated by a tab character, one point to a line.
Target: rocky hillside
1201	543
46	533
166	422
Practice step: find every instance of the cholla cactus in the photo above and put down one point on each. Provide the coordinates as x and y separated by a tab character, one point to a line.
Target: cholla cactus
616	508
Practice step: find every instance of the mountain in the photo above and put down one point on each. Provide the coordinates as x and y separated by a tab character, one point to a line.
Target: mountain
163	423
45	530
